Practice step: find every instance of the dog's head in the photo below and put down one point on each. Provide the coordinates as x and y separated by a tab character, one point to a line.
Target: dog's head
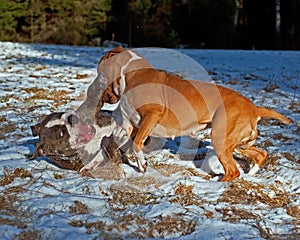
115	64
63	138
69	143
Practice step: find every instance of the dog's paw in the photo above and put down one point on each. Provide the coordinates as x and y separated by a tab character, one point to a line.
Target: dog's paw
254	170
120	136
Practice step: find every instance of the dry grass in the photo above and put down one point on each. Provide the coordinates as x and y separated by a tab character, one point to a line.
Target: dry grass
184	196
294	211
10	175
123	195
11	210
81	76
143	181
271	162
157	227
244	192
289	157
29	235
79	208
234	215
59	97
169	169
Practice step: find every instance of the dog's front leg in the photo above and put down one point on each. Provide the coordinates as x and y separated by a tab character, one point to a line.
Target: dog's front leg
99	158
147	123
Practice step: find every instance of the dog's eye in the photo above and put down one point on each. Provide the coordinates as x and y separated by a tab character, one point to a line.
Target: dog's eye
61	133
72	119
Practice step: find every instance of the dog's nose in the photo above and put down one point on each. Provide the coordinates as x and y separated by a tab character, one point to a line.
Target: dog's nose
72	119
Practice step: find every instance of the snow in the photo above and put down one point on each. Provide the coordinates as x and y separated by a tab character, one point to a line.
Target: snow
176	197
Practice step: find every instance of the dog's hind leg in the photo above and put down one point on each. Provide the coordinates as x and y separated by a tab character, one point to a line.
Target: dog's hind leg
223	141
257	155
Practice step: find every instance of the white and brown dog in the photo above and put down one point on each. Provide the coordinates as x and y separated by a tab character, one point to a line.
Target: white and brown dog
83	139
164	105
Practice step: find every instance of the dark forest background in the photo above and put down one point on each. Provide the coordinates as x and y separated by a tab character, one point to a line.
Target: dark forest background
228	24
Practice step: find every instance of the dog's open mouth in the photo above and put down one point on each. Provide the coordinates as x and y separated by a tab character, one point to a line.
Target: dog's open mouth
85	133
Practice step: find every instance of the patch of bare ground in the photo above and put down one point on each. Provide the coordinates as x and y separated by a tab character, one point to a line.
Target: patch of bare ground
245	192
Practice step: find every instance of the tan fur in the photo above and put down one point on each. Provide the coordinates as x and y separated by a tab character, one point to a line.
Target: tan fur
169	106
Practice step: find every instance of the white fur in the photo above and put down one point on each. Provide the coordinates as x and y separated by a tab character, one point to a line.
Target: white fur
141	162
55	122
93	146
134	57
99	158
253	170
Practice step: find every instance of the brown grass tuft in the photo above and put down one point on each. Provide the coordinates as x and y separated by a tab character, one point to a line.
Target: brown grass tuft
29	235
184	196
158	227
81	76
234	215
168	169
9	175
244	192
123	195
79	208
60	97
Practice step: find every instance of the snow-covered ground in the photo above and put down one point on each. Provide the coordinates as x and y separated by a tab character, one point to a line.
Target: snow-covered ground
176	197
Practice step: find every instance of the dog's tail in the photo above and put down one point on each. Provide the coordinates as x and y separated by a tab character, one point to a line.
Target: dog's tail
269	113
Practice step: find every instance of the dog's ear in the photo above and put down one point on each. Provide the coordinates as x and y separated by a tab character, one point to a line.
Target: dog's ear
116	50
113	52
36	129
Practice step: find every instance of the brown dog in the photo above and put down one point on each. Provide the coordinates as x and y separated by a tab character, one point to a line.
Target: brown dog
161	104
